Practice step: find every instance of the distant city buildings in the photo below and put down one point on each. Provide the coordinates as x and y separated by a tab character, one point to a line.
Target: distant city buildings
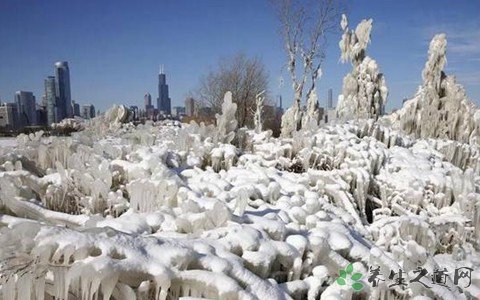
26	108
8	116
88	111
163	100
178	112
134	113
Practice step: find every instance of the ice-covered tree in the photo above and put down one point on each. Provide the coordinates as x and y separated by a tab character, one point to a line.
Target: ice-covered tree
364	92
440	108
304	28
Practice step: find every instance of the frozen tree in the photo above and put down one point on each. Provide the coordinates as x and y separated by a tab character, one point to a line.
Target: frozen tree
364	92
260	99
440	108
226	122
304	28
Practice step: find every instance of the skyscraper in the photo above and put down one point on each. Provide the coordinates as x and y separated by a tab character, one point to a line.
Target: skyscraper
62	85
88	111
51	99
190	107
76	108
148	101
330	99
26	108
8	116
163	101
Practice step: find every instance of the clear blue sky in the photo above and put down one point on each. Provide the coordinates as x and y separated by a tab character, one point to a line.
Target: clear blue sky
114	48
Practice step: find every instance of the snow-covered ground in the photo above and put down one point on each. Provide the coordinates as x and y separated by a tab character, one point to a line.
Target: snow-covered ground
8	142
163	211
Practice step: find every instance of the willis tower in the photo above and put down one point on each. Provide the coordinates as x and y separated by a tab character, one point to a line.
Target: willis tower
163	101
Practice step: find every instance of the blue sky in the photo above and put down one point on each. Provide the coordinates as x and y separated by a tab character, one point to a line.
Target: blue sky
114	48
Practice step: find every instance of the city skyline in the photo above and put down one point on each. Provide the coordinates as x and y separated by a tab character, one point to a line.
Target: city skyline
189	38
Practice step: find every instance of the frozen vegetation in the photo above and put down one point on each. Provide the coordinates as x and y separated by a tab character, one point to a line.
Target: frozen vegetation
167	210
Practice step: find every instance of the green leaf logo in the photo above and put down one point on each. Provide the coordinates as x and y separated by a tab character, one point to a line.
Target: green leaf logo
357	285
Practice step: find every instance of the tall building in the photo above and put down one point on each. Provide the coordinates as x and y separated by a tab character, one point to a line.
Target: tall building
190	107
330	99
41	115
8	116
88	111
279	107
148	101
51	100
26	108
134	113
163	101
62	85
76	108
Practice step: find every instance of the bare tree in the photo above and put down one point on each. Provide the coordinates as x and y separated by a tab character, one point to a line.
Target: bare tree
305	25
244	77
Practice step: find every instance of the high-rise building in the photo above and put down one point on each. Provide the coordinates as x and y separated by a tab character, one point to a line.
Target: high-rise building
148	101
330	99
51	100
134	113
26	108
76	108
88	111
190	107
62	85
41	115
279	107
163	101
8	116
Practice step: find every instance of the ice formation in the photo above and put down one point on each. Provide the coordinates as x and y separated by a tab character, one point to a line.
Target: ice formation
161	211
440	108
291	119
364	92
258	121
312	114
